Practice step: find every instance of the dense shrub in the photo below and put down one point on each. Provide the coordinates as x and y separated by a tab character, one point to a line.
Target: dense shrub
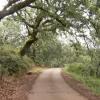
11	63
76	67
85	66
84	59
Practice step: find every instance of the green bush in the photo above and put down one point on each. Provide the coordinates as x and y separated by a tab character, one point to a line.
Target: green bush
84	59
76	67
11	63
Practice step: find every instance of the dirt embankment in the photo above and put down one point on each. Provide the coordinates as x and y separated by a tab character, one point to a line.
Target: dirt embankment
17	89
79	87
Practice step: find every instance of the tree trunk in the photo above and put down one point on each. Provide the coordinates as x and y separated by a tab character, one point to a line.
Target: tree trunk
27	46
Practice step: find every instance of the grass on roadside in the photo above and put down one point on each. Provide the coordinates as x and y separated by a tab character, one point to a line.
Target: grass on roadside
91	82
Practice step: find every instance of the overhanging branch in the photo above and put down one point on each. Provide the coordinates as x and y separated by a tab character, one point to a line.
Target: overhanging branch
15	8
60	20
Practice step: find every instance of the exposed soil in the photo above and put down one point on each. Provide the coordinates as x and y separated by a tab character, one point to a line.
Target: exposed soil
79	87
17	89
51	86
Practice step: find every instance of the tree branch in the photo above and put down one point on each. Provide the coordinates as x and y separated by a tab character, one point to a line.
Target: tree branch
50	14
10	2
33	35
15	8
23	20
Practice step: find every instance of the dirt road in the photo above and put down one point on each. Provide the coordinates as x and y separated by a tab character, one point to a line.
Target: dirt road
51	86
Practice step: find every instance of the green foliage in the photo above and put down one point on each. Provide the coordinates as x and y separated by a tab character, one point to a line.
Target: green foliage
87	63
11	63
43	22
49	51
92	83
86	68
11	33
76	67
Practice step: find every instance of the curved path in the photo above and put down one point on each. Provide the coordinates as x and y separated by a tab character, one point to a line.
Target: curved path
51	86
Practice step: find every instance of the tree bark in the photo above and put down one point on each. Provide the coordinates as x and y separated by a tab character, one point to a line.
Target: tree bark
27	46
